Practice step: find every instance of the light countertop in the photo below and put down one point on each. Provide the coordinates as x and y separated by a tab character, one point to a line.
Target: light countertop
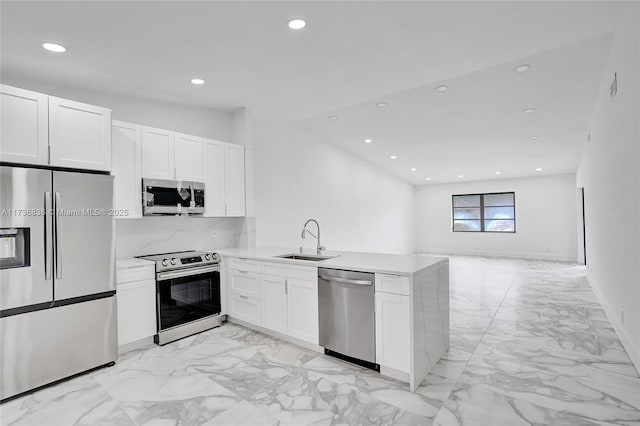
133	262
357	261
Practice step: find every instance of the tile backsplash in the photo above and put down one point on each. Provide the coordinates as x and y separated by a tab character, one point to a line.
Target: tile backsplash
150	235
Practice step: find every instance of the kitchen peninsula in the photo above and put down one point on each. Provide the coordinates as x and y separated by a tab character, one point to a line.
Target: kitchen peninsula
269	290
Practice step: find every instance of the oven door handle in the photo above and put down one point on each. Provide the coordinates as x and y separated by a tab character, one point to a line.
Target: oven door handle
162	276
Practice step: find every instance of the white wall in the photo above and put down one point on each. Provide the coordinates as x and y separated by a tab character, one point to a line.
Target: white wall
210	123
299	176
610	173
545	219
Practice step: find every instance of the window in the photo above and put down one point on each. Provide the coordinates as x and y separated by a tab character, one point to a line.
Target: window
495	212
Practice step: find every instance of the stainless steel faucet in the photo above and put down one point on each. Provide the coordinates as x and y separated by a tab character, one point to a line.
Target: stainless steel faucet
304	230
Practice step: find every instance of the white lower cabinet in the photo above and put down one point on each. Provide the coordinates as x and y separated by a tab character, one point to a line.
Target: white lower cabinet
279	297
303	308
245	308
274	303
136	297
393	325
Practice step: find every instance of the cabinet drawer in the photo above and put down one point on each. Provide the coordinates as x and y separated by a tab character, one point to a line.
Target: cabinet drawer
137	273
291	271
244	264
395	284
246	283
245	308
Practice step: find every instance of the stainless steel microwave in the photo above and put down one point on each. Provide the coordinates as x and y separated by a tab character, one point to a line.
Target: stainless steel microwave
172	197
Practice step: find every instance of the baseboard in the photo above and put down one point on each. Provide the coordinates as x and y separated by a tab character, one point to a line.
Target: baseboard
138	344
280	336
403	376
632	351
497	254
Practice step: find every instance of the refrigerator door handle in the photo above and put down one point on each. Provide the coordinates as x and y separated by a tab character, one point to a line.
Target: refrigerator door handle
56	207
48	235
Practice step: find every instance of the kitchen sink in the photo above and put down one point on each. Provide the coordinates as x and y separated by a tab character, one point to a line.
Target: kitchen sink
312	257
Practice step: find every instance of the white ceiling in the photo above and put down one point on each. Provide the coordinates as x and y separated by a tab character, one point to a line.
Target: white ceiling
351	55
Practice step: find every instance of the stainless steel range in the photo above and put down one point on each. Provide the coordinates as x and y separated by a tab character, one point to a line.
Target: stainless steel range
187	293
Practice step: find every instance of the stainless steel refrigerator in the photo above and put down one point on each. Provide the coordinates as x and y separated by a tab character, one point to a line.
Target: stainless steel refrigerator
57	276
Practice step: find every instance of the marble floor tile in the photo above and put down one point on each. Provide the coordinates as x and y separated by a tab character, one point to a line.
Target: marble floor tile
530	345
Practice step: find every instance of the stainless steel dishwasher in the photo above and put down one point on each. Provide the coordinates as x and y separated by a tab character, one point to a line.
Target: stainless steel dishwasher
347	317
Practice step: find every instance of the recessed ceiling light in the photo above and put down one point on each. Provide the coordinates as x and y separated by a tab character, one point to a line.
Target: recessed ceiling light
522	68
53	47
428	179
413	169
393	157
297	24
368	140
442	88
381	104
539	169
528	110
332	117
533	138
460	176
497	173
197	81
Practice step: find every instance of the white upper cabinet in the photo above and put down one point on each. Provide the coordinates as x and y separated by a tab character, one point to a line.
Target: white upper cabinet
234	180
188	157
79	135
214	175
157	153
41	130
126	167
24	126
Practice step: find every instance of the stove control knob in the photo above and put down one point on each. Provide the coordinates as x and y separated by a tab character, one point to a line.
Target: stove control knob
214	256
165	262
173	261
207	256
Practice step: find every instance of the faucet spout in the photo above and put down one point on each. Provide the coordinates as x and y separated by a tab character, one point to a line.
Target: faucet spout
319	247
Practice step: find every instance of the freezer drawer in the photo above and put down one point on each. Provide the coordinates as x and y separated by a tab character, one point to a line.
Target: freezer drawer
48	345
347	313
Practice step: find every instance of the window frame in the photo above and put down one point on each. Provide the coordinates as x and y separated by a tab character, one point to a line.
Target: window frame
482	207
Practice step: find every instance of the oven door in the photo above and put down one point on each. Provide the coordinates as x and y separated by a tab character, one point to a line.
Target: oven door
187	295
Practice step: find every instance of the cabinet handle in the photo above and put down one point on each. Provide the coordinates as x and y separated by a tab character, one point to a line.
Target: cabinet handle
243	297
286	286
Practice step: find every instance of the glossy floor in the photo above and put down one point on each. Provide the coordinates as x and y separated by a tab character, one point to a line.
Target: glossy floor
529	345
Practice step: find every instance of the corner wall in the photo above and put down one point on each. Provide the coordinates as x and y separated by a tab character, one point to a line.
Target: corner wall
298	175
545	219
609	171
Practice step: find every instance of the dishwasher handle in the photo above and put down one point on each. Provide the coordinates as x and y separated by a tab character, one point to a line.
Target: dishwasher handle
345	281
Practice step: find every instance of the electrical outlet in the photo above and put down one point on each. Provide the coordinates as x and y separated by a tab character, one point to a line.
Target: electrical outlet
622	315
214	233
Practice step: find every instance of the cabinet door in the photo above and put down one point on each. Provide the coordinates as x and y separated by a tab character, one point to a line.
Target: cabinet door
274	303
79	135
126	166
188	157
157	153
214	171
234	180
24	129
303	309
243	282
136	311
392	331
245	308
